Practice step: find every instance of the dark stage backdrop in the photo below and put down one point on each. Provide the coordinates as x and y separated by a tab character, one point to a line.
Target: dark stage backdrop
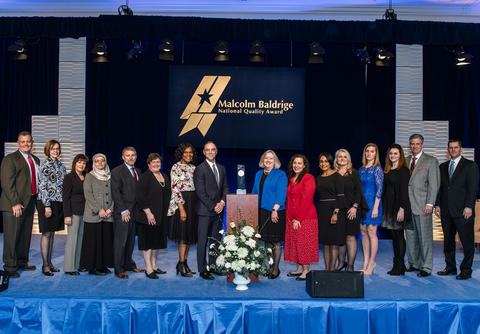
126	103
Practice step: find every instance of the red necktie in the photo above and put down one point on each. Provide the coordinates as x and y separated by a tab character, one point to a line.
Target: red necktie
34	175
134	175
412	166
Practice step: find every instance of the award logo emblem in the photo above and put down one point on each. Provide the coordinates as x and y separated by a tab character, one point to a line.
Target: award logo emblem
198	112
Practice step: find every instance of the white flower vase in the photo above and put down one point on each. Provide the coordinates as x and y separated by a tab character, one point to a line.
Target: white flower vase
241	282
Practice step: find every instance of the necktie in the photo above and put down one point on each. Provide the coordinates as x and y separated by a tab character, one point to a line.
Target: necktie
412	166
134	174
451	169
215	172
34	175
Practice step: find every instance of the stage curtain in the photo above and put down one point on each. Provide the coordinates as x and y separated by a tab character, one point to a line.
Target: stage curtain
27	88
87	315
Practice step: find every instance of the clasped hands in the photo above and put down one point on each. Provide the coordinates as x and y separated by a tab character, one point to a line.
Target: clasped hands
104	213
219	207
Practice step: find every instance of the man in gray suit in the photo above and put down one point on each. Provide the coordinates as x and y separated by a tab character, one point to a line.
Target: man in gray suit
19	177
422	192
124	181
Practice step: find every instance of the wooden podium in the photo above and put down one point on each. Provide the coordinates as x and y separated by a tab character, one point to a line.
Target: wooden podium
242	207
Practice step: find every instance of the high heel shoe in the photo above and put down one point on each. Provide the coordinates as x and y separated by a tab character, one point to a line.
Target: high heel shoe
152	275
54	269
369	272
273	276
343	266
159	271
188	268
183	270
46	271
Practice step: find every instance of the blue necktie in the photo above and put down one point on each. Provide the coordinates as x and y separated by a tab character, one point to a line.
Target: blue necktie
451	169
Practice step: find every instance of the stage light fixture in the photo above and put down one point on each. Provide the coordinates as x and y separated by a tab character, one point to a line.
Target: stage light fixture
257	52
136	51
165	50
363	55
462	58
221	51
125	10
18	50
382	57
317	52
99	52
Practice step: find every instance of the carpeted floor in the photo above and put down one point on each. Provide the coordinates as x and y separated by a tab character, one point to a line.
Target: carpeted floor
378	286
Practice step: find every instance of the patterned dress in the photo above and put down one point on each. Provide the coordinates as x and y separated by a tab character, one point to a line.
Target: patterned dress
50	182
183	191
372	186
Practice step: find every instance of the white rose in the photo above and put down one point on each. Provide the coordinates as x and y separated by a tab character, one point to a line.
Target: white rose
228	254
242	264
242	237
269	250
235	266
221	231
270	261
251	243
221	247
229	239
258	236
232	224
228	265
231	247
256	253
211	246
248	231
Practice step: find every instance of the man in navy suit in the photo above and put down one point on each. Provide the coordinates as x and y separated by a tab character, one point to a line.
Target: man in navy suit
455	206
124	181
211	188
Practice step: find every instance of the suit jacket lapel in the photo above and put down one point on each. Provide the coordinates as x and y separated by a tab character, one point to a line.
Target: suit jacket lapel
418	164
211	172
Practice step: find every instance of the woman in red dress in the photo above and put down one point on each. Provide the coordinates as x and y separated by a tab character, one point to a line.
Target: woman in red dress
301	235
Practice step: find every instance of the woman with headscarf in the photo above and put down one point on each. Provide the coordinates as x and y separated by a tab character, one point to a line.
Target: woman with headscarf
97	246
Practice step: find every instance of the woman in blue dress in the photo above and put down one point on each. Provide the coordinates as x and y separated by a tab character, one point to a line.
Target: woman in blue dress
371	174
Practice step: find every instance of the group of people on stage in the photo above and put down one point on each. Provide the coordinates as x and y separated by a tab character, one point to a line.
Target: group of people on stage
103	209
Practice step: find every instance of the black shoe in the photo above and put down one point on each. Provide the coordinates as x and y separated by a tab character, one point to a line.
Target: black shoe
293	274
218	273
82	270
299	278
343	266
463	276
206	275
72	273
182	269
423	273
106	270
152	275
159	271
27	267
273	276
411	268
13	274
447	271
46	271
54	269
188	268
98	272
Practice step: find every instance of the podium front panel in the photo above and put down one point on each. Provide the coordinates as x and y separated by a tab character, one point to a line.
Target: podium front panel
242	207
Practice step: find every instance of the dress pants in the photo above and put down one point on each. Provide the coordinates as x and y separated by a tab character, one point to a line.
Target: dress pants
17	233
73	245
123	244
450	226
420	243
208	226
399	246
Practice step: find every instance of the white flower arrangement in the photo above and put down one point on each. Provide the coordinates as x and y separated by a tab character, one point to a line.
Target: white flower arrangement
240	251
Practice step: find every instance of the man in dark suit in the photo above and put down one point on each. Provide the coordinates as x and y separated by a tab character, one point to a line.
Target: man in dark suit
211	188
455	206
422	192
19	177
124	181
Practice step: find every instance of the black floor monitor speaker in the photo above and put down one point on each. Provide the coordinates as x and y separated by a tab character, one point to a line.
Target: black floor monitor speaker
335	284
3	280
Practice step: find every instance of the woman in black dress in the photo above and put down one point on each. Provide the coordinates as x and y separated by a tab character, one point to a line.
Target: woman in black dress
183	206
49	205
152	195
331	217
271	186
353	203
397	214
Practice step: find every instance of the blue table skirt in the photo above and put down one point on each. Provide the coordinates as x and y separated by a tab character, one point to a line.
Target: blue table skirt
89	315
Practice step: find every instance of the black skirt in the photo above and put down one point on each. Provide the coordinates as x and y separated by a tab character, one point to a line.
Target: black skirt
151	236
187	231
97	246
55	222
270	231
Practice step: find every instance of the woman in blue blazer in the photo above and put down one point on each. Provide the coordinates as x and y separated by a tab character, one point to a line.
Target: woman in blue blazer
271	186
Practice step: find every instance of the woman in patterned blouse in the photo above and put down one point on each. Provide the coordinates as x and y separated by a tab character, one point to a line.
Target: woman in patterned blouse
49	205
183	206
